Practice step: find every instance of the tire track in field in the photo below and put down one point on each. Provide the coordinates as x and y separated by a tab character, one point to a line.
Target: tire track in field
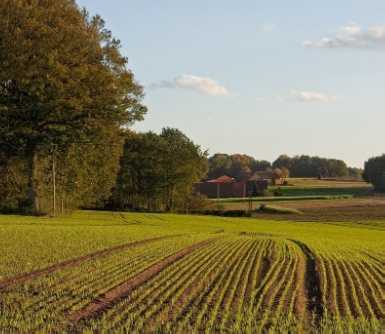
119	292
12	281
312	282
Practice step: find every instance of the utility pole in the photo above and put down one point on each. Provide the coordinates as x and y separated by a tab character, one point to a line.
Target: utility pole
54	179
250	202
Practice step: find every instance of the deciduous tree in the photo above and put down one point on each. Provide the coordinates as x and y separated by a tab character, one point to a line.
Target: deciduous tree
374	172
62	77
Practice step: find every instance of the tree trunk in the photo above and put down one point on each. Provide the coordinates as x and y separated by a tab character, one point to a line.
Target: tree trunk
33	205
170	198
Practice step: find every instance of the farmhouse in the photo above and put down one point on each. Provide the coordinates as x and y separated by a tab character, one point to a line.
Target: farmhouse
228	187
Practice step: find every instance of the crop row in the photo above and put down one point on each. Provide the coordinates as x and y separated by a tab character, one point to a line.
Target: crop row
41	304
352	289
248	282
226	286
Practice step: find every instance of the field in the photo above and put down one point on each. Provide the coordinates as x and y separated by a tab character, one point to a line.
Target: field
326	183
316	187
323	200
152	273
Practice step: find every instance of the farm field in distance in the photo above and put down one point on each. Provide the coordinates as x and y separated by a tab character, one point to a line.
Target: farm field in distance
326	183
160	273
317	200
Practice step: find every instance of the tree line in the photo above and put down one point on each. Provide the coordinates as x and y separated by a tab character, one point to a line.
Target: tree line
242	166
313	166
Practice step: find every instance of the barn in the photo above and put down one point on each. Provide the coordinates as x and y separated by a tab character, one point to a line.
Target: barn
228	187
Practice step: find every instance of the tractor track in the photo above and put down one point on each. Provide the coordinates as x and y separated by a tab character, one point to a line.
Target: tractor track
12	281
312	282
121	291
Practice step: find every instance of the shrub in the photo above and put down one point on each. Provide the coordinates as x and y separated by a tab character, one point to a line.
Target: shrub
277	210
278	192
374	172
197	202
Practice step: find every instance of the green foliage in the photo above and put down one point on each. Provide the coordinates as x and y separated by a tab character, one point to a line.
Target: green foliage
158	171
85	174
239	166
306	166
277	210
242	166
374	172
62	80
356	172
278	191
13	183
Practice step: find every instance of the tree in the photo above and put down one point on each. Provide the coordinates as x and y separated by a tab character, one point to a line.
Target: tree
219	164
355	172
140	181
283	161
12	183
185	163
374	172
61	78
276	175
86	172
239	166
260	165
307	166
158	171
285	173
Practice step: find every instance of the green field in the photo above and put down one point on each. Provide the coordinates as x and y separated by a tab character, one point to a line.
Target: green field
280	198
326	183
313	187
190	274
301	191
323	191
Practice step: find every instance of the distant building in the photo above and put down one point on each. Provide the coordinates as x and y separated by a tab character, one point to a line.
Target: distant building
228	187
267	175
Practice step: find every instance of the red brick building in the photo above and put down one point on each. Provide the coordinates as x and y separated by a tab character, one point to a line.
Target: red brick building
228	187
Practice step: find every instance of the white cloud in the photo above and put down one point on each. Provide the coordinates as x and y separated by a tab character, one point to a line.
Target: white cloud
201	85
311	96
352	36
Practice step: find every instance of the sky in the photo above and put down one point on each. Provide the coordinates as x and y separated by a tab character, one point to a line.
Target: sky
262	78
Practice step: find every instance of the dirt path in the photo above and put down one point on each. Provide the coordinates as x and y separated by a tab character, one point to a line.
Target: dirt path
9	282
121	291
312	283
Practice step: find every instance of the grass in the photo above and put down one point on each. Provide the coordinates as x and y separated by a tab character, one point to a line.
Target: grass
309	189
322	191
280	198
327	183
250	275
324	187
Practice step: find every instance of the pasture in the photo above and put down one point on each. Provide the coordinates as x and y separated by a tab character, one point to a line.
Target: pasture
302	187
157	273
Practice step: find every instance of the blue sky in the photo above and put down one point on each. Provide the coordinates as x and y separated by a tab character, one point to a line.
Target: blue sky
259	77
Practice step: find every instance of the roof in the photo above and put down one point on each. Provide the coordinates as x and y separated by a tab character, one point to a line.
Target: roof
222	179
